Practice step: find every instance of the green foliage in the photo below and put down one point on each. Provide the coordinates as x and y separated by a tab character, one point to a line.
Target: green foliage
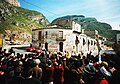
28	12
17	18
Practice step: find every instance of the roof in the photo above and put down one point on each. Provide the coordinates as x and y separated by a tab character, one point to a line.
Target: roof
53	27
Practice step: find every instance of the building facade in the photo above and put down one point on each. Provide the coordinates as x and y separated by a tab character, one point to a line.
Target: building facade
90	33
63	38
118	38
117	44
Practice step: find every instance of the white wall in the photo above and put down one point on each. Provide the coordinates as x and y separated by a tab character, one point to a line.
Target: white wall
118	38
76	26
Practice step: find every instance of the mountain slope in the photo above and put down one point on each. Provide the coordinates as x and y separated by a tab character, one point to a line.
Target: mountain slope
104	29
16	18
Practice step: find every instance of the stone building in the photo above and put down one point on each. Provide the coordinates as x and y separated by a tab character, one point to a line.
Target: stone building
117	44
94	35
65	37
91	33
87	44
118	38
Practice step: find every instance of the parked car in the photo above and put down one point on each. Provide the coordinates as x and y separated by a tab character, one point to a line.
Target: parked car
37	50
107	52
31	49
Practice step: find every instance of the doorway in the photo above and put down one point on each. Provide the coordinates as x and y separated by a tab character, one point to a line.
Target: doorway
61	46
46	46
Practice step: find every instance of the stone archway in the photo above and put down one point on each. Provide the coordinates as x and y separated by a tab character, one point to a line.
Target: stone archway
46	46
61	46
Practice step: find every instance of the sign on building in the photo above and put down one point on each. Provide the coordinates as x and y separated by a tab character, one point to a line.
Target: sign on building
53	47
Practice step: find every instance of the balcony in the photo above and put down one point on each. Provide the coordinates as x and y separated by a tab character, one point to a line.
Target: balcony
60	38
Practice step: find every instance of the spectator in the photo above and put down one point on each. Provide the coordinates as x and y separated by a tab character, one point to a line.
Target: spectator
104	74
17	78
29	79
11	51
116	74
90	72
77	73
48	73
59	73
37	71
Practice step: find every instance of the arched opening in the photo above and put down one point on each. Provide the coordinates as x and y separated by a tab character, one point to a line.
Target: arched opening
46	46
61	46
88	45
39	44
76	43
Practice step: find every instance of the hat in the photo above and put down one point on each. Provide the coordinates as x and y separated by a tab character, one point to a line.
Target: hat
104	63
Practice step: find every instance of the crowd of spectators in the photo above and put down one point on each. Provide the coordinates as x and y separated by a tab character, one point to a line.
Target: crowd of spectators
58	68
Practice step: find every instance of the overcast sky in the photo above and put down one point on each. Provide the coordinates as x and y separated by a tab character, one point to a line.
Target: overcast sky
107	11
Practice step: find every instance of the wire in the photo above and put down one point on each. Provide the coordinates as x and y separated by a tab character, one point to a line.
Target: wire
39	7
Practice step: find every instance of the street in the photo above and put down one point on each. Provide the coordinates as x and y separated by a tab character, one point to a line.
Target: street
18	49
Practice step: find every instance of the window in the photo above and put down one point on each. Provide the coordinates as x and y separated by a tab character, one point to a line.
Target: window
73	47
46	34
84	41
94	42
88	42
76	40
60	34
91	42
102	42
40	35
39	44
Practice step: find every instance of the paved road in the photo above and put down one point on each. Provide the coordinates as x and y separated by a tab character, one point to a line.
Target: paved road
18	48
21	51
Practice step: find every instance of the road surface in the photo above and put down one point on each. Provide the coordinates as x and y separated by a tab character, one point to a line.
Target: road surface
18	48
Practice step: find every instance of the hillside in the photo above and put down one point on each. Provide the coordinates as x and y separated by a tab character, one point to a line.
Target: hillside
104	29
15	21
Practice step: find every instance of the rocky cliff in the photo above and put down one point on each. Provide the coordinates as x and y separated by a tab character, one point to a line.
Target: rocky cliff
14	2
16	23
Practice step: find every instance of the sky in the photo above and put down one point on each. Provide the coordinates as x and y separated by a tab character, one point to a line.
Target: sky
107	11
